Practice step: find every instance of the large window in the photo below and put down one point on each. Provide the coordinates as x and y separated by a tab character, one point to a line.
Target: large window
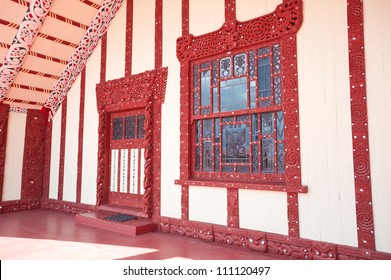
237	116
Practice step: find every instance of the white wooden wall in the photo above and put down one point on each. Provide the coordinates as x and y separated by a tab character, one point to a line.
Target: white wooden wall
327	211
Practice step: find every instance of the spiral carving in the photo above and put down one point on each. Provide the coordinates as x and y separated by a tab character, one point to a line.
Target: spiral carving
359	112
357	63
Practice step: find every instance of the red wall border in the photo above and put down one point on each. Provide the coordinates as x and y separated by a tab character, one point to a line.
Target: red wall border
129	38
296	248
80	136
4	113
362	176
158	34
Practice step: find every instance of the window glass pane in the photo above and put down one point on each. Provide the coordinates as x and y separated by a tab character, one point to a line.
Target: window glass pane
217	158
236	143
263	51
255	123
233	95
225	67
196	102
205	65
264	77
255	159
195	76
130	127
253	101
277	90
276	58
215	72
267	123
197	159
251	58
217	130
198	125
207	156
240	61
205	88
280	125
207	128
215	100
268	155
243	169
117	128
140	126
280	158
228	168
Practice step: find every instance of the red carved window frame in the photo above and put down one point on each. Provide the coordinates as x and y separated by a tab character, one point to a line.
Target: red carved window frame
234	37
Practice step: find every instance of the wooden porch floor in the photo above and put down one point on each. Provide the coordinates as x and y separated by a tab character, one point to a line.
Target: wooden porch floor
41	234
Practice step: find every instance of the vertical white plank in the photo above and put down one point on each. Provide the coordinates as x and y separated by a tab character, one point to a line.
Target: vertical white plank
133	171
124	171
377	22
116	42
143	36
114	171
12	184
142	174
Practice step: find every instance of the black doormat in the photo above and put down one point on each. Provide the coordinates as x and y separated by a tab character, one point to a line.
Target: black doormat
120	218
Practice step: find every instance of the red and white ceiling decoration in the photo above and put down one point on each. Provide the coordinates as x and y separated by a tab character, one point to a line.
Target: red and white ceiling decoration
45	45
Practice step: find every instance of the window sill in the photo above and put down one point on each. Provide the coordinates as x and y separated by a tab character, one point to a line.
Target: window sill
276	187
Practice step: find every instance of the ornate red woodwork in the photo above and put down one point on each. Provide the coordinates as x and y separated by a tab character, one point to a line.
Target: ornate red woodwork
279	26
4	112
145	90
158	34
297	248
129	38
34	155
362	176
48	149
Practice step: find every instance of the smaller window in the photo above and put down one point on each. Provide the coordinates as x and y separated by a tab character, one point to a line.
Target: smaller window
128	127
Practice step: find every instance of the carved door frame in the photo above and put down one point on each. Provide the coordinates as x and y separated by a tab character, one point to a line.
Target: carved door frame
144	90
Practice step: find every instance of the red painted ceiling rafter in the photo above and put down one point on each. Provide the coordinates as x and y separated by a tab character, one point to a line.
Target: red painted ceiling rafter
23	40
90	40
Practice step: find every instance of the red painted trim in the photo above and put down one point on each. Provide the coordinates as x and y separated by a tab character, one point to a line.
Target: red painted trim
158	34
248	186
103	58
20	101
34	155
48	156
185	17
81	136
66	206
233	208
230	10
184	169
91	4
362	175
44	90
4	113
62	150
129	38
297	248
19	205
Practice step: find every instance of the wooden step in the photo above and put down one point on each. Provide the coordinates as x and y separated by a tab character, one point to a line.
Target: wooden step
132	227
123	210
